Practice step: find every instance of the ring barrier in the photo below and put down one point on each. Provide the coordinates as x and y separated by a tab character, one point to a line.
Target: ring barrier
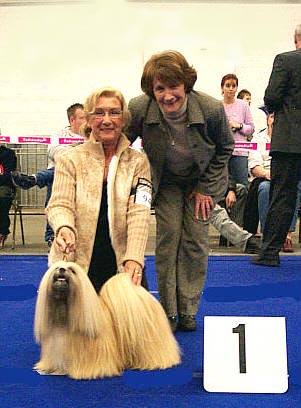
55	140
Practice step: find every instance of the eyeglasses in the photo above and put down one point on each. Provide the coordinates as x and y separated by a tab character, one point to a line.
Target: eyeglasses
113	113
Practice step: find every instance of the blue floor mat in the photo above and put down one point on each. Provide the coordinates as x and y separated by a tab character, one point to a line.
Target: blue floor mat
233	287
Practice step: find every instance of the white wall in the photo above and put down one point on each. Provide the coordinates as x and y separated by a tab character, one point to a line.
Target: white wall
53	56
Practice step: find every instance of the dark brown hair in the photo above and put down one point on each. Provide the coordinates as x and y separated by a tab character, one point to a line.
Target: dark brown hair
171	68
241	94
227	77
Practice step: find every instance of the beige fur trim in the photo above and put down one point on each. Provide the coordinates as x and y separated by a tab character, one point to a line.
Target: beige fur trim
111	183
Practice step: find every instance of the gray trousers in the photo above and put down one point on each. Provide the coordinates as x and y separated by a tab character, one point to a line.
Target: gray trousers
182	246
229	229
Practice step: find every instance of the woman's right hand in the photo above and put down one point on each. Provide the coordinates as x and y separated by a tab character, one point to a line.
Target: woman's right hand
65	240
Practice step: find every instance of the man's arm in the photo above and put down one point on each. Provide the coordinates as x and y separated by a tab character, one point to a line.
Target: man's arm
277	86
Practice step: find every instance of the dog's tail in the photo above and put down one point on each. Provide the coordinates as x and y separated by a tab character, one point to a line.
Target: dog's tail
145	339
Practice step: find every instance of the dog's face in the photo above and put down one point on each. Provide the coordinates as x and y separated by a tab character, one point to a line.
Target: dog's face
61	281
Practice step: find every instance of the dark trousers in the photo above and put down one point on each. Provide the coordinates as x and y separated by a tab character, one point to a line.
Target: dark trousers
5	204
45	179
251	214
285	175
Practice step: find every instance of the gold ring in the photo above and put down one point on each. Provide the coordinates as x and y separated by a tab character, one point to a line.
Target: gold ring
139	274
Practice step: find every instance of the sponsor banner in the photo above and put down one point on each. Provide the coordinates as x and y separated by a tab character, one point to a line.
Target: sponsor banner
45	139
59	140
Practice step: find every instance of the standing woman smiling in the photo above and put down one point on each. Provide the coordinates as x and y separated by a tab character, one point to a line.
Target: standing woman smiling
241	123
188	141
100	203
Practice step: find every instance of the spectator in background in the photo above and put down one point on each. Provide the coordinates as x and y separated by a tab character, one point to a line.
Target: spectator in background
241	123
283	98
258	198
44	178
8	163
234	203
245	95
187	139
258	114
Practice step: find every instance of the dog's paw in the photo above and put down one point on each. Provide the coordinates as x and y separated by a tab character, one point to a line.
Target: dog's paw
44	371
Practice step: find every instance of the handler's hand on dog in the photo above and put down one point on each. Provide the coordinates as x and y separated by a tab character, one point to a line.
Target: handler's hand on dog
134	269
202	204
66	240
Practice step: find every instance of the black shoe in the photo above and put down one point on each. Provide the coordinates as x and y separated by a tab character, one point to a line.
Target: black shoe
266	260
253	245
173	323
223	242
3	238
23	180
186	323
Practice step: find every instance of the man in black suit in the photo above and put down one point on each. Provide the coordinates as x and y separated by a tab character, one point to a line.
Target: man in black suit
283	97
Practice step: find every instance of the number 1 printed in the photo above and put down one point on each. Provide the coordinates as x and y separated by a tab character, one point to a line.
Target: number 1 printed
241	330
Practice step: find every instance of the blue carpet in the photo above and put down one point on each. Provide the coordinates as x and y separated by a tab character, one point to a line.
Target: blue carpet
233	287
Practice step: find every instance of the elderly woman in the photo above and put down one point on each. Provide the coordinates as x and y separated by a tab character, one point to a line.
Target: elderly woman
100	202
188	142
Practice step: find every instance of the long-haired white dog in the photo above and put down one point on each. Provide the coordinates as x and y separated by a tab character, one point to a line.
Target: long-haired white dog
87	336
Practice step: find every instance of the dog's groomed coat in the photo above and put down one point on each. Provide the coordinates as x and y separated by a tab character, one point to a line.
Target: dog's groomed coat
87	336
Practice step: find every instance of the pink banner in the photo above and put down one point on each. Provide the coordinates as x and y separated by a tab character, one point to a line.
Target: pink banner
4	139
34	139
246	145
70	140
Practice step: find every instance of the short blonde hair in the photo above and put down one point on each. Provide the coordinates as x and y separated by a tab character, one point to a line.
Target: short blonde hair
171	68
107	92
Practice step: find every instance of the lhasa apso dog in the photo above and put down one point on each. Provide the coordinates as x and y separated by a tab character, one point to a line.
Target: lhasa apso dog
85	335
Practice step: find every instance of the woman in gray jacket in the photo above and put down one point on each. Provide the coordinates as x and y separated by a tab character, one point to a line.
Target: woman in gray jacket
188	141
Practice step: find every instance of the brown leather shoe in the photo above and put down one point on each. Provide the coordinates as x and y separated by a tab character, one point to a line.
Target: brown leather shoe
288	246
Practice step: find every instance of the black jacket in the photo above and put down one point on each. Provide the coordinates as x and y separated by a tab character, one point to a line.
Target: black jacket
283	97
8	163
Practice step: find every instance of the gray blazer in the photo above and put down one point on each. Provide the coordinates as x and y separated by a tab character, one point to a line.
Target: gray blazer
211	141
283	97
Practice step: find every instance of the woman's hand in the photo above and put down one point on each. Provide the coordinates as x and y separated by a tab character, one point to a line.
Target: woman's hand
65	240
202	204
234	125
134	269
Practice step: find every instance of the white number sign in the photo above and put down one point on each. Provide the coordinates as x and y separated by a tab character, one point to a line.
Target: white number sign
245	354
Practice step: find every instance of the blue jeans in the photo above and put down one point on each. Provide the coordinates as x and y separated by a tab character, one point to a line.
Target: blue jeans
263	204
45	179
238	168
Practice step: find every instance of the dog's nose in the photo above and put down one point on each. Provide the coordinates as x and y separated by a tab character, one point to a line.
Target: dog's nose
62	271
60	274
